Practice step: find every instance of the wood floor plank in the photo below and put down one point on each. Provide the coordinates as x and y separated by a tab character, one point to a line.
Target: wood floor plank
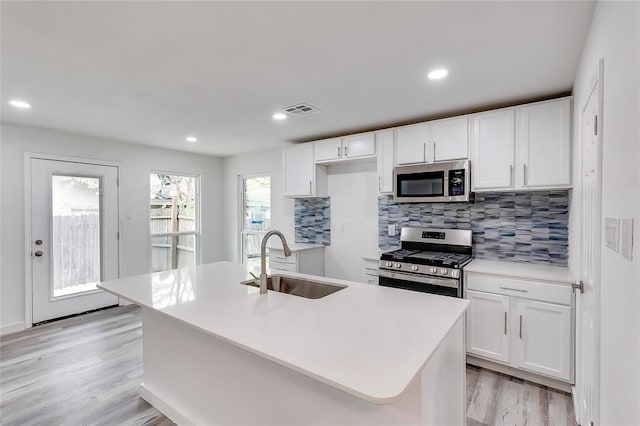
87	370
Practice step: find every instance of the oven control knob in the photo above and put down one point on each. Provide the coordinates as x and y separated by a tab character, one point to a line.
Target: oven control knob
415	268
455	273
443	271
397	265
434	270
389	264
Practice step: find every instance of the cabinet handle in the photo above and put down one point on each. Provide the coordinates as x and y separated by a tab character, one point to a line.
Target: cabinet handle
434	150
515	289
424	152
310	191
346	152
511	175
521	326
505	323
524	174
338	151
379	183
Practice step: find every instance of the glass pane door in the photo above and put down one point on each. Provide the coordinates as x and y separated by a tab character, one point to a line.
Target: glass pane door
256	218
76	243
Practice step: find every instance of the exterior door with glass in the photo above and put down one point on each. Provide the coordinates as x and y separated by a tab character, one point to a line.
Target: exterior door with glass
74	236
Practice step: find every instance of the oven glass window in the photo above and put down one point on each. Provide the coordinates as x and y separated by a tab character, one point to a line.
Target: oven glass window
427	184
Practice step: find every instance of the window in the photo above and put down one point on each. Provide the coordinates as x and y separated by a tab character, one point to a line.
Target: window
174	220
256	218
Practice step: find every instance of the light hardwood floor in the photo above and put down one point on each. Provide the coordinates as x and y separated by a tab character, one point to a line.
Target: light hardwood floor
86	370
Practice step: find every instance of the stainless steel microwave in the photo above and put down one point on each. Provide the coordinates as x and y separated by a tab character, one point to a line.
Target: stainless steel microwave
435	182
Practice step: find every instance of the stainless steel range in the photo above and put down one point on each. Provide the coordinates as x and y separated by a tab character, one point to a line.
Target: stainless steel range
429	260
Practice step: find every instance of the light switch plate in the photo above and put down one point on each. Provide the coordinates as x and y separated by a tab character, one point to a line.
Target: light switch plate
626	238
611	233
391	230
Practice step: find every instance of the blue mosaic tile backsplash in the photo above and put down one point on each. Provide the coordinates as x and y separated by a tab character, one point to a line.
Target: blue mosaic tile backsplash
517	226
312	220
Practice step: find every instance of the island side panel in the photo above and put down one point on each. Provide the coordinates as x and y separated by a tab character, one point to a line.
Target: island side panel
195	378
444	381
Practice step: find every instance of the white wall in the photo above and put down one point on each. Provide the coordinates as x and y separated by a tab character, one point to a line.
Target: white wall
136	162
614	36
264	162
354	219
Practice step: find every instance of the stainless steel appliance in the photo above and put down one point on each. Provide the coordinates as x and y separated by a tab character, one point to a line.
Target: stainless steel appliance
429	260
435	182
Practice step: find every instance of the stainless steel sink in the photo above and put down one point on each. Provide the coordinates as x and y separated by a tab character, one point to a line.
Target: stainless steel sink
297	286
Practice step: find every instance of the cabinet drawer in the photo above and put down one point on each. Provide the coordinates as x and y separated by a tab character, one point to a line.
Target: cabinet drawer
280	266
371	279
555	293
277	255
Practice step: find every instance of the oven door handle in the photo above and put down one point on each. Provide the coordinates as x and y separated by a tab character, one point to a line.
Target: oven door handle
443	282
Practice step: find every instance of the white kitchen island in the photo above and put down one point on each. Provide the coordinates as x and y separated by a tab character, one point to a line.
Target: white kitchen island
218	353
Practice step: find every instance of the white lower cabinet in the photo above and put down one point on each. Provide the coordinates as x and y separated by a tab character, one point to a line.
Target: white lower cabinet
506	324
544	338
487	328
371	271
305	261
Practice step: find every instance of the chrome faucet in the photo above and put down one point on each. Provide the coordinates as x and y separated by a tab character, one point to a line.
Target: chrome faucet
263	257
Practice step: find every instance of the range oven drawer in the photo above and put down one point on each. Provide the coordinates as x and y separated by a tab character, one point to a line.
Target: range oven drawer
421	283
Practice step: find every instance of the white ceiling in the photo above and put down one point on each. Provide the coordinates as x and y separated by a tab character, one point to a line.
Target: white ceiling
154	72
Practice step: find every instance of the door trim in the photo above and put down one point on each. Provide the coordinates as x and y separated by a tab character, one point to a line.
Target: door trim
28	276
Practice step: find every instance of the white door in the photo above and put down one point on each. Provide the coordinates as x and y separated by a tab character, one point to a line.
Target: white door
450	139
493	150
543	143
588	329
543	338
328	149
488	325
298	170
411	144
74	233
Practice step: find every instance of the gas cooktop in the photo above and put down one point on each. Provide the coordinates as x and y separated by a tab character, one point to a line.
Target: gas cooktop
432	258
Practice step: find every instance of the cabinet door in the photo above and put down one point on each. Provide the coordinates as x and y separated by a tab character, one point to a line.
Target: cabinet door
487	326
449	139
411	144
543	343
298	168
492	150
384	148
543	141
328	149
363	145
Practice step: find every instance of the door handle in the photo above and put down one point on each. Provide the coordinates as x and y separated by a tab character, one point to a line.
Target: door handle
521	326
38	253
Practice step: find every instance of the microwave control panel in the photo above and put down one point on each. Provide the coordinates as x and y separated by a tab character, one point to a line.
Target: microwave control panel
456	182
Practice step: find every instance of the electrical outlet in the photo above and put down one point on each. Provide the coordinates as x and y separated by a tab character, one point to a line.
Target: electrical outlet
391	230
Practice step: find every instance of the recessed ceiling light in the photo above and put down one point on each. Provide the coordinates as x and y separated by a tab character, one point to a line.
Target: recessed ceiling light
279	116
191	139
437	74
19	104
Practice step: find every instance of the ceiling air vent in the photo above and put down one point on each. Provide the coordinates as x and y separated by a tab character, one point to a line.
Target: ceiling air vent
301	110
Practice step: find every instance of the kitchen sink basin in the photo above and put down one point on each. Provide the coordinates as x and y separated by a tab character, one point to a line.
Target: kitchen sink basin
297	286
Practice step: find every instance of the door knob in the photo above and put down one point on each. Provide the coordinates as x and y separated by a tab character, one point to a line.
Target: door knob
38	253
38	242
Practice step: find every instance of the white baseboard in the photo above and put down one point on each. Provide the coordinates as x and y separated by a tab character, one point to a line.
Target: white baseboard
12	328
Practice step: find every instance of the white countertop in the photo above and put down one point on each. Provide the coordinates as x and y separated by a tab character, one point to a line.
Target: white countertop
276	244
366	340
532	271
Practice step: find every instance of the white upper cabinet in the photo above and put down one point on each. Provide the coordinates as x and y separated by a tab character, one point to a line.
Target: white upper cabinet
384	148
357	146
449	139
522	148
543	139
328	149
492	150
300	172
411	144
348	147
